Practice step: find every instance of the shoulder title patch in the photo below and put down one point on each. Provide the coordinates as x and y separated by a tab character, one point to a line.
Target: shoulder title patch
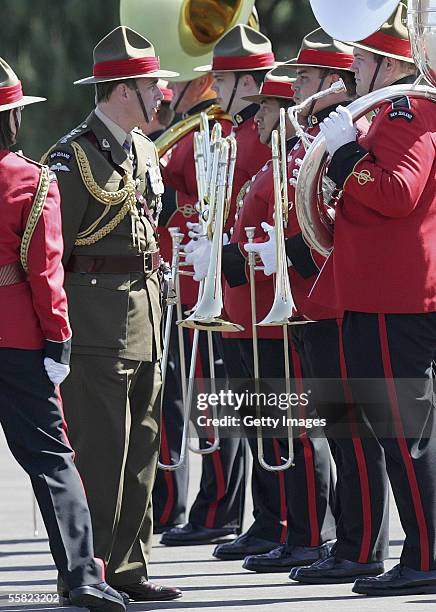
402	113
60	155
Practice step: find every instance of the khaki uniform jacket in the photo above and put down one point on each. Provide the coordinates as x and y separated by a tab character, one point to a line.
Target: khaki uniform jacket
110	314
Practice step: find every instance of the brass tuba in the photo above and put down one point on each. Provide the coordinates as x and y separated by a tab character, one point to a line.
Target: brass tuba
314	189
188	29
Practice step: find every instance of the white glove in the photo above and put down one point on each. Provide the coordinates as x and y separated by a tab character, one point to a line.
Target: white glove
265	250
295	172
200	260
196	236
338	129
57	372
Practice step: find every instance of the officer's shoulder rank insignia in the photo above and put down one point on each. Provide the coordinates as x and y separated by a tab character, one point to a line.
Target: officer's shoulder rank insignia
74	133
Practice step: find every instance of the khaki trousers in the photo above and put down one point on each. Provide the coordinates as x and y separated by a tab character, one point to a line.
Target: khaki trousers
112	409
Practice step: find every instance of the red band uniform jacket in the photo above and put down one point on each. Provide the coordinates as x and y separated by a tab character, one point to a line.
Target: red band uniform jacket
384	258
34	311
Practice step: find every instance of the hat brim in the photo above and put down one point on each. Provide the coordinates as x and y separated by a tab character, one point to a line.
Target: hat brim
410	60
209	68
25	101
260	98
156	74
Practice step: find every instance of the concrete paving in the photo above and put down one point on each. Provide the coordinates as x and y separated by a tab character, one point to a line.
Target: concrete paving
28	576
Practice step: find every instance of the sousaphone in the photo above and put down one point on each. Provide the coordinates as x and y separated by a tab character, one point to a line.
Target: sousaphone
360	19
184	32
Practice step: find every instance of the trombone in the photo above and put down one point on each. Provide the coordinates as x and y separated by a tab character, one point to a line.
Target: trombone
283	307
201	159
215	162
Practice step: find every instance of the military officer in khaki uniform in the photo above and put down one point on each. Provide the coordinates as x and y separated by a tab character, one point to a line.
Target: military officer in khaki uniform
111	188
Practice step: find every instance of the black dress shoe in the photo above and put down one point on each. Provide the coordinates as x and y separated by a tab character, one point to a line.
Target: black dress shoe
158	529
64	593
190	534
99	597
400	580
242	547
282	558
335	571
144	590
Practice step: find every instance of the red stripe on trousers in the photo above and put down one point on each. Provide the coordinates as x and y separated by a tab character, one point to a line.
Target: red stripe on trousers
365	491
210	522
168	476
410	471
282	493
308	458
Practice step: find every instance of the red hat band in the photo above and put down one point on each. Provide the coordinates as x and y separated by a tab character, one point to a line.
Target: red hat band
388	44
126	68
8	95
325	58
277	88
241	62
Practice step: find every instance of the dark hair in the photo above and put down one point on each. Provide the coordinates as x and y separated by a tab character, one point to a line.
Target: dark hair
6	137
164	114
346	75
104	90
286	104
258	75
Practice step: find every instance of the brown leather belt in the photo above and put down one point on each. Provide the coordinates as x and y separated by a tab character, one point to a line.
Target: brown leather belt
111	264
11	274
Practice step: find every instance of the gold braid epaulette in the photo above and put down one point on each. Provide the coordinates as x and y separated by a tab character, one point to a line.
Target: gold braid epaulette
125	195
34	215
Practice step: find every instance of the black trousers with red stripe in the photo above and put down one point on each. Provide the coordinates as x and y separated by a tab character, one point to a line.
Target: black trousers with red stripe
399	349
268	489
302	496
32	420
221	497
359	461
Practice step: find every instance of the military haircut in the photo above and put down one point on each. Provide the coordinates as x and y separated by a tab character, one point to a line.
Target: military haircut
346	75
258	75
408	69
164	114
103	91
286	104
6	136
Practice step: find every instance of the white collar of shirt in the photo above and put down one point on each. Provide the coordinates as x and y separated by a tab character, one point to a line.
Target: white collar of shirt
119	134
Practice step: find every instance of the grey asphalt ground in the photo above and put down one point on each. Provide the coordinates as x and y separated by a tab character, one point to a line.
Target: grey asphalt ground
28	576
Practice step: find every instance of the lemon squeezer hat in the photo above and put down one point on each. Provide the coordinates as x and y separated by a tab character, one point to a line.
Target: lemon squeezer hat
241	49
11	90
392	39
277	84
319	50
124	54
